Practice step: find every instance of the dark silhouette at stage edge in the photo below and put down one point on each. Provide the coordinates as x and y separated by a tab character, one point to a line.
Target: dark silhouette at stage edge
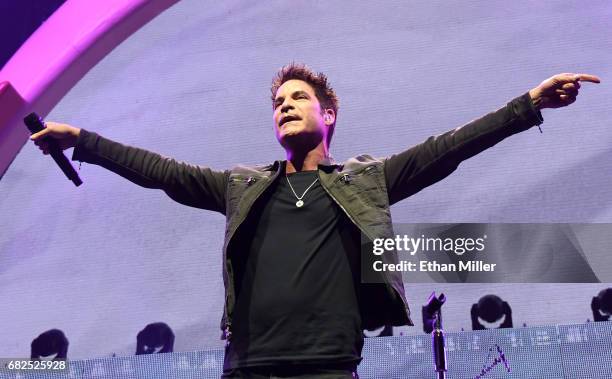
51	342
601	305
491	309
155	338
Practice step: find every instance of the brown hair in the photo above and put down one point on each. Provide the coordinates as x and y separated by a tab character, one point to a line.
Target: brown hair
324	92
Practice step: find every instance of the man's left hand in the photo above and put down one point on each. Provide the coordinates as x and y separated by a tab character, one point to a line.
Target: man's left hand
559	90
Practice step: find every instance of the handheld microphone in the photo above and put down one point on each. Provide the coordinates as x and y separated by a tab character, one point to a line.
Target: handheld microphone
35	125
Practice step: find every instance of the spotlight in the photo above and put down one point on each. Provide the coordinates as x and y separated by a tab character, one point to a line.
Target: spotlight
602	305
155	338
48	343
491	312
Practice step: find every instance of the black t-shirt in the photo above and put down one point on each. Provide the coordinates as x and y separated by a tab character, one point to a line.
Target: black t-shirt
297	274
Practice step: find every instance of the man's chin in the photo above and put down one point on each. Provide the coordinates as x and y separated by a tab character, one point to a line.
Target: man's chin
297	139
288	139
290	133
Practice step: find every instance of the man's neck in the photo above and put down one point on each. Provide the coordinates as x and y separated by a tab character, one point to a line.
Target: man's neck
305	161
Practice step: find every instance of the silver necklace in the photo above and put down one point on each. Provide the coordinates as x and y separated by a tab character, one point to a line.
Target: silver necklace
299	203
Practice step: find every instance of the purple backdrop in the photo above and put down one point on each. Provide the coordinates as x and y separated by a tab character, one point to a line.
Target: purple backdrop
102	261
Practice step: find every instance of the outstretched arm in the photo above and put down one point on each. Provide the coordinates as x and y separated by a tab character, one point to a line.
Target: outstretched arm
422	165
188	184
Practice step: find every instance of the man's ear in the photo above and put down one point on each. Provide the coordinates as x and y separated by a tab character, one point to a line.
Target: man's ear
329	116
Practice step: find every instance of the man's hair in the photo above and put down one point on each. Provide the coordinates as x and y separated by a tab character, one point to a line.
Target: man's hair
318	81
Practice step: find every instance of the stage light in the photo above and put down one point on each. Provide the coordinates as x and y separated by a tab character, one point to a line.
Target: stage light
155	338
601	305
383	331
491	312
51	342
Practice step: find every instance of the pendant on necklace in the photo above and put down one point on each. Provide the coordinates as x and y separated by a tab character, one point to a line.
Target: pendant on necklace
299	203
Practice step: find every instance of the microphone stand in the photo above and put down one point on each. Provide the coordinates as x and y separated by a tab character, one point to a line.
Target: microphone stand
432	323
438	344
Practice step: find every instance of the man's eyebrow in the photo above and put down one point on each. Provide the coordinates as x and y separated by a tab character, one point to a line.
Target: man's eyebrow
294	94
300	92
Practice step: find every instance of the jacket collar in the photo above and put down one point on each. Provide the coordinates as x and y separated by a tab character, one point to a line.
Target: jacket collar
326	164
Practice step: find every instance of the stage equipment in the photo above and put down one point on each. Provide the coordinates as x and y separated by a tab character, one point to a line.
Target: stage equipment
491	308
155	338
51	342
601	305
385	331
432	323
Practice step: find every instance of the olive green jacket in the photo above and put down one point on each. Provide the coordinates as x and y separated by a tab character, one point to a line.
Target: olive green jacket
364	187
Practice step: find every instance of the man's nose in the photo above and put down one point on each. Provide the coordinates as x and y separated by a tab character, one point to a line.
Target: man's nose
286	107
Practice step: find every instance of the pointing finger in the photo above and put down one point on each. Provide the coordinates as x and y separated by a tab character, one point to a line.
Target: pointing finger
587	78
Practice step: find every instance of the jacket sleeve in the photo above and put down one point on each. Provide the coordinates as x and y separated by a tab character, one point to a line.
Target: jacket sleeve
434	159
185	183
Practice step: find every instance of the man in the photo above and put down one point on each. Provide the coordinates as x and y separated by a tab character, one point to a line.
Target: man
295	302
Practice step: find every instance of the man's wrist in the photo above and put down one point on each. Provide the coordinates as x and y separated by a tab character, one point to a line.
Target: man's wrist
536	99
80	146
524	109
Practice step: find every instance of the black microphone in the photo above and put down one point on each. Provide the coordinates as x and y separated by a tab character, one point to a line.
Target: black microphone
35	125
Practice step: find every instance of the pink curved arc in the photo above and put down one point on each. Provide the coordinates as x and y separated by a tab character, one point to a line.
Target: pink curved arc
61	51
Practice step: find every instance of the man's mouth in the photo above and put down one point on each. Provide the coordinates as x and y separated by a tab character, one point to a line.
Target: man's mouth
288	118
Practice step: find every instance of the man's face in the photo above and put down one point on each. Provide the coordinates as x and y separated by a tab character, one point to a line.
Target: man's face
298	116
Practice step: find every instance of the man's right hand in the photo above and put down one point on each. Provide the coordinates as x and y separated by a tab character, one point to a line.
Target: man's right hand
64	134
